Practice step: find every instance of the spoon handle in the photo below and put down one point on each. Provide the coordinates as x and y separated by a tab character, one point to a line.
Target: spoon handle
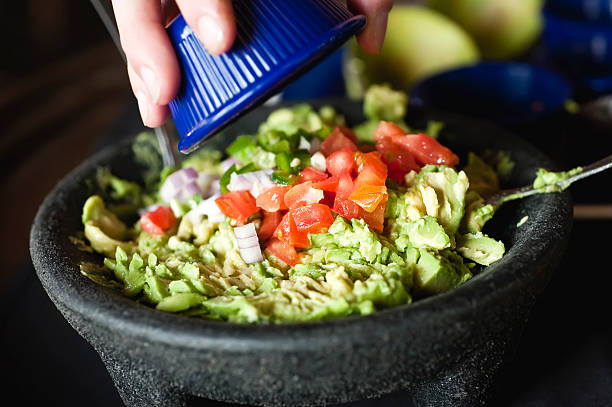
104	10
506	195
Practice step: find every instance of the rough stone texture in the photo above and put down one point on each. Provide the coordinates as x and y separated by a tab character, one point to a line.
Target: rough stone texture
446	349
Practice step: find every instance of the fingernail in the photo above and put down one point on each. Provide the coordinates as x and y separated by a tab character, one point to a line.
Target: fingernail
211	34
142	106
150	80
379	29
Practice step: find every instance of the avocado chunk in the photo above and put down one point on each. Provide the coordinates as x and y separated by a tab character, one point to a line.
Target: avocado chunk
426	232
480	248
435	274
103	229
450	187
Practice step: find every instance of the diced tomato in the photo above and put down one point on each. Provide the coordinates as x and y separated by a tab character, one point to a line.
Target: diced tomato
349	133
328	198
302	194
387	129
346	208
369	196
157	222
427	150
376	219
371	169
287	232
398	159
337	140
283	250
238	205
345	186
313	218
341	162
273	198
329	184
311	174
268	224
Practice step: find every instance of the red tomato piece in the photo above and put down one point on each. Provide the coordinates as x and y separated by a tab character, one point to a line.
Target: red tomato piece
345	186
376	219
287	232
346	208
328	198
341	162
268	224
313	218
427	150
330	184
238	205
387	129
349	133
369	196
302	194
311	174
371	169
273	198
337	140
398	159
157	222
283	250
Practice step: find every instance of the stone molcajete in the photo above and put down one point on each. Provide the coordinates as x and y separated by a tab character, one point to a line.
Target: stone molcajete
445	350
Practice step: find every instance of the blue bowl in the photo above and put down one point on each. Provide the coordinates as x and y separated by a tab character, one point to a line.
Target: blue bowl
276	42
507	93
586	10
581	48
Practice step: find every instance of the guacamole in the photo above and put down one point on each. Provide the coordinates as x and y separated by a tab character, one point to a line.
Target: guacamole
302	221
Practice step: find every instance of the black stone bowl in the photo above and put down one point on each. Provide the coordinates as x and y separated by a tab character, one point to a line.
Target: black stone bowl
445	350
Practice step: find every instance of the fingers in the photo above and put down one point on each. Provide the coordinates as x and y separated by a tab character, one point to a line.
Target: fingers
213	22
152	114
376	11
152	66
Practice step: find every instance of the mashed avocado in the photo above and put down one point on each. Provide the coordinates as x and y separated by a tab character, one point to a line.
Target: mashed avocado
187	255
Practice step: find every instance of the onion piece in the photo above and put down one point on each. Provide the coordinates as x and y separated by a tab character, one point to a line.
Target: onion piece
255	182
317	161
304	144
312	196
175	183
207	207
228	162
248	243
315	145
251	255
205	181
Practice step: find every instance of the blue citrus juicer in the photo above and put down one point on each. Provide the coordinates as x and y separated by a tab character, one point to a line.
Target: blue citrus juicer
276	41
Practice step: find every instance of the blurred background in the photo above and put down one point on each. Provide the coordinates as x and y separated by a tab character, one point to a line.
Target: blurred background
542	69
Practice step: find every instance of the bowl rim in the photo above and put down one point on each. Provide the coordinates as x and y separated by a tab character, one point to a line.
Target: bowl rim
67	288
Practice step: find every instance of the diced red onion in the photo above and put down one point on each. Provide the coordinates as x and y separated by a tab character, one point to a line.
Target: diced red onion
188	191
317	161
207	207
248	243
304	144
228	162
255	182
243	232
176	182
315	145
205	182
251	255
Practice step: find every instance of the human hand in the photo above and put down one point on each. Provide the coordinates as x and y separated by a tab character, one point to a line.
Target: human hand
153	70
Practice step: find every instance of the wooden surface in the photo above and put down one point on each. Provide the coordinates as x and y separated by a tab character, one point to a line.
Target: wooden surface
50	121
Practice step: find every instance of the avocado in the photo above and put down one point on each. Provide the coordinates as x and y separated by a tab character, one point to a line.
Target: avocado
434	274
426	232
477	213
480	248
451	187
483	178
546	181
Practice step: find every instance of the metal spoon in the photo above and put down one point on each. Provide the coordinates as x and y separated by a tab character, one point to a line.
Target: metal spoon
105	12
506	195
